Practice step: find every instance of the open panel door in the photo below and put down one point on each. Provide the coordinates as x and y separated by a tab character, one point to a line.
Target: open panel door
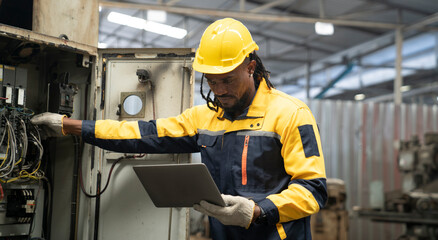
139	84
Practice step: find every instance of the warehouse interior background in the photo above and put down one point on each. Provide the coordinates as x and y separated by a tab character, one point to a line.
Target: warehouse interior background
356	62
368	70
375	56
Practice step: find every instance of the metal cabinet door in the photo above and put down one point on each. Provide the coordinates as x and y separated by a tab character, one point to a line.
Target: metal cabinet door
126	93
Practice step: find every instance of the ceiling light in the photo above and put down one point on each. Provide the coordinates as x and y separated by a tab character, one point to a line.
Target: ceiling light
100	8
157	16
405	88
323	28
102	45
359	97
149	26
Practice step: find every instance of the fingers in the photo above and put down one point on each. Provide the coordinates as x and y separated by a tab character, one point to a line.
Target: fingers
198	208
228	199
45	118
51	123
41	118
37	119
239	211
205	211
211	207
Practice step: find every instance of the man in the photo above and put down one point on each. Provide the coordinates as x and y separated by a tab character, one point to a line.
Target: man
261	146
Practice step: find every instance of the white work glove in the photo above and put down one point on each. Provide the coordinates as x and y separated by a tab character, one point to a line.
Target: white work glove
238	211
50	123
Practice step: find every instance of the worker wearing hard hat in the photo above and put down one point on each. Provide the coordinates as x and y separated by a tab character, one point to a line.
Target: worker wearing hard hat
261	146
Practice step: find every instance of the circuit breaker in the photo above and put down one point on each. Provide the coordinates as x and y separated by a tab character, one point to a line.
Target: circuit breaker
19	209
62	94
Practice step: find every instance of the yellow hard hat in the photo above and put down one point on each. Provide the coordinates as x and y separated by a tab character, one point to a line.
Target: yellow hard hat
224	45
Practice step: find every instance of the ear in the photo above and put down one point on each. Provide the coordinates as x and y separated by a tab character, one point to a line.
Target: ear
251	66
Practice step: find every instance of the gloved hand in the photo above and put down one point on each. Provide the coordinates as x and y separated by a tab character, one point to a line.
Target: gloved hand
50	123
238	211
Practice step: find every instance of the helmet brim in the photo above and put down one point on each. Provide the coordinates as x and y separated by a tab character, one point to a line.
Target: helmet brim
206	69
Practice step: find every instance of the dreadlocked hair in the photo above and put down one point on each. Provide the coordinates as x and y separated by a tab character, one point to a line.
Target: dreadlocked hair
259	74
260	71
214	103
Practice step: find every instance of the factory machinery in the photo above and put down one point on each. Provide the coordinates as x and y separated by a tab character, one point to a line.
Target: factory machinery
331	222
416	204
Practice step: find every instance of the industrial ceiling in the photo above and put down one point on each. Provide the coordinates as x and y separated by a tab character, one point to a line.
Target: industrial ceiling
359	59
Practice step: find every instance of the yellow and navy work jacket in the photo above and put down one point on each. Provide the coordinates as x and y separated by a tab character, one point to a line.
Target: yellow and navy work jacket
271	154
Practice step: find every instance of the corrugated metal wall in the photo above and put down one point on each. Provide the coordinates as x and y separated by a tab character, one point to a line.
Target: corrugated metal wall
359	143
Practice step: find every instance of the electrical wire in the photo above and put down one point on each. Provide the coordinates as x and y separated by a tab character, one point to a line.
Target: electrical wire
35	175
109	175
27	170
23	111
7	151
38	144
25	142
107	181
3	135
11	162
19	164
32	226
49	200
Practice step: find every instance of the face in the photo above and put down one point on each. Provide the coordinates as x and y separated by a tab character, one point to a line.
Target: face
234	90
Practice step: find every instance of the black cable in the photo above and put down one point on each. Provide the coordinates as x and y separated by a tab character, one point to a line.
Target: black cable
31	225
47	206
98	193
74	194
97	207
47	224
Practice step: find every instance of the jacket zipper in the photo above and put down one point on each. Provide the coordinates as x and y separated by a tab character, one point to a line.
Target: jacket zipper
244	160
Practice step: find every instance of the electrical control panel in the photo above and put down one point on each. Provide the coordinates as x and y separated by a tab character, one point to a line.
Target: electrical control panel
14	83
34	78
21	154
52	186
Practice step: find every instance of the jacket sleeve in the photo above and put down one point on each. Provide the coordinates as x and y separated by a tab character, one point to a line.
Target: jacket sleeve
304	162
169	135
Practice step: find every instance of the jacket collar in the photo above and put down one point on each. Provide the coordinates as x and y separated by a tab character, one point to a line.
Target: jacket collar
257	108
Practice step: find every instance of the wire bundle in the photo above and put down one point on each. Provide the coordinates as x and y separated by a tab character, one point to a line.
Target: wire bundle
14	166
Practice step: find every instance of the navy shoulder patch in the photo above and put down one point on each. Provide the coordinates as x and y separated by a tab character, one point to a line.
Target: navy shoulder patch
308	140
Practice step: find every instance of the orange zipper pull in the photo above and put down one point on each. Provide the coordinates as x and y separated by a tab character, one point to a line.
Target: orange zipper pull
244	160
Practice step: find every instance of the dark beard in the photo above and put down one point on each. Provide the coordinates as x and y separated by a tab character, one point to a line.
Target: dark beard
238	107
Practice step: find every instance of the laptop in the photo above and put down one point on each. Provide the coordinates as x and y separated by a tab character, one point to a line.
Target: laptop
179	185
